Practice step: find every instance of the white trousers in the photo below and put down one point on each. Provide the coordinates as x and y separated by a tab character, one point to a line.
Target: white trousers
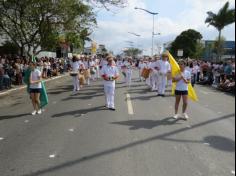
75	83
110	95
155	81
128	78
162	84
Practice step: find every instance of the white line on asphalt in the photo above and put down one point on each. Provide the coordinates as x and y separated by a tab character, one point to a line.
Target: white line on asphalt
204	92
1	138
52	156
129	104
71	130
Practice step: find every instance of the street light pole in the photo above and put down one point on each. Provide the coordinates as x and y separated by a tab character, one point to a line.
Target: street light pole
153	32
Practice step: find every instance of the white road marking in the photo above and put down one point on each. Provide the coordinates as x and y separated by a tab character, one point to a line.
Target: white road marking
71	130
129	104
208	144
52	156
26	121
233	172
204	92
1	138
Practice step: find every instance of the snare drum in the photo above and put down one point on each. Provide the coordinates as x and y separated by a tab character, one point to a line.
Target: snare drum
73	74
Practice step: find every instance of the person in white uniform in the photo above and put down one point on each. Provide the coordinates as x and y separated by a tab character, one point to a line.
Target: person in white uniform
181	91
74	74
155	75
129	66
164	68
110	74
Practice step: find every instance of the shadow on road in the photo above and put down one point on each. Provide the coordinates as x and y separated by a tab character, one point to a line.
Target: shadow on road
136	143
13	116
147	124
78	113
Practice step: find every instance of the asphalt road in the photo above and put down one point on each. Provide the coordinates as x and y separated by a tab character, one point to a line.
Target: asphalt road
76	136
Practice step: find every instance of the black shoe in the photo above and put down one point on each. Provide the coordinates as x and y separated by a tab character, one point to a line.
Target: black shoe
112	109
163	95
159	95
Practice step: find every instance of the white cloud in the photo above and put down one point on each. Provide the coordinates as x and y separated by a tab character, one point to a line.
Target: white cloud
113	32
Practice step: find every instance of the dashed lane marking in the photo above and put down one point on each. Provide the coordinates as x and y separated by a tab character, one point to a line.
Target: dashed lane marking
129	104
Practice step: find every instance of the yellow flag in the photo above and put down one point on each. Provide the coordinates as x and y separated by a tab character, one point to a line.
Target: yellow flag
175	70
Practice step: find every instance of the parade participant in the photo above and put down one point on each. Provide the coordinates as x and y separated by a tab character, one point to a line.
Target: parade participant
75	72
149	64
87	73
128	66
181	91
92	67
110	74
154	74
141	66
164	69
35	88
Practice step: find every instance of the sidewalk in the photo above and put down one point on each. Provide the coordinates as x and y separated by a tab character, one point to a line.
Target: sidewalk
17	88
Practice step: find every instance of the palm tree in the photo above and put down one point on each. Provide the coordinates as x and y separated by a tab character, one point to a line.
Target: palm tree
223	18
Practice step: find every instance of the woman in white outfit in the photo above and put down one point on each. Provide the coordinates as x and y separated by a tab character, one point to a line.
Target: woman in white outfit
181	91
110	74
75	73
129	66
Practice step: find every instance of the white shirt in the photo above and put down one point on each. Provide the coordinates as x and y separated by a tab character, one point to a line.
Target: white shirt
35	76
110	71
164	66
181	85
75	66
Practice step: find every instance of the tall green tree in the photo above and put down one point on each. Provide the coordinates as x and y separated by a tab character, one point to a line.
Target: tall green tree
36	26
133	52
188	41
223	18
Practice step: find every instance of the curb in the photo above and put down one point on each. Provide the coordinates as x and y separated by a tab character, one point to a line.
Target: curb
24	87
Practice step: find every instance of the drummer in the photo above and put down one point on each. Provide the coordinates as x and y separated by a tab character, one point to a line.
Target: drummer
110	74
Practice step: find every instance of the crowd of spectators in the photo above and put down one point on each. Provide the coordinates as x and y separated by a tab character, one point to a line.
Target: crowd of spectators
12	69
220	75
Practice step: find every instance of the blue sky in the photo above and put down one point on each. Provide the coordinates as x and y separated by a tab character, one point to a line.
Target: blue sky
174	17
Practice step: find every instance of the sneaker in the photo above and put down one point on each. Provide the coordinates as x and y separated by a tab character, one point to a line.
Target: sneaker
34	113
39	111
186	117
176	116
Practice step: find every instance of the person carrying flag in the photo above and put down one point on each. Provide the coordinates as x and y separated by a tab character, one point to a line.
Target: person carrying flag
181	91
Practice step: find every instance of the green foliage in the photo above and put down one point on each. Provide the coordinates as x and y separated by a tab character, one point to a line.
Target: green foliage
9	48
133	52
223	18
188	41
34	24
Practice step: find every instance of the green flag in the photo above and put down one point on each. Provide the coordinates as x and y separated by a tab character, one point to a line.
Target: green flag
33	58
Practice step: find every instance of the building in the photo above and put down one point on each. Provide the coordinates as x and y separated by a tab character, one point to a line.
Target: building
210	55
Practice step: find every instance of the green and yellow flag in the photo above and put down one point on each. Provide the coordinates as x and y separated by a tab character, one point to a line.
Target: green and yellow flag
175	69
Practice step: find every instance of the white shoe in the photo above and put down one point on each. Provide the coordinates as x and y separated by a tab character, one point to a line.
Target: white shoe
34	113
176	116
186	117
39	111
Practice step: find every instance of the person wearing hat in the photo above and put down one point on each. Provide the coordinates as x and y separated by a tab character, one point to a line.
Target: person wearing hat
164	69
110	74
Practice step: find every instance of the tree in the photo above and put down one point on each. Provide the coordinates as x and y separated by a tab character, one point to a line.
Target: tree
9	48
199	50
218	46
107	3
223	18
133	52
188	41
35	25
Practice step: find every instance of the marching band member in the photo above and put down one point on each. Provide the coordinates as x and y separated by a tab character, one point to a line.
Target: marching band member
128	66
155	75
87	70
75	71
110	74
141	66
164	69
